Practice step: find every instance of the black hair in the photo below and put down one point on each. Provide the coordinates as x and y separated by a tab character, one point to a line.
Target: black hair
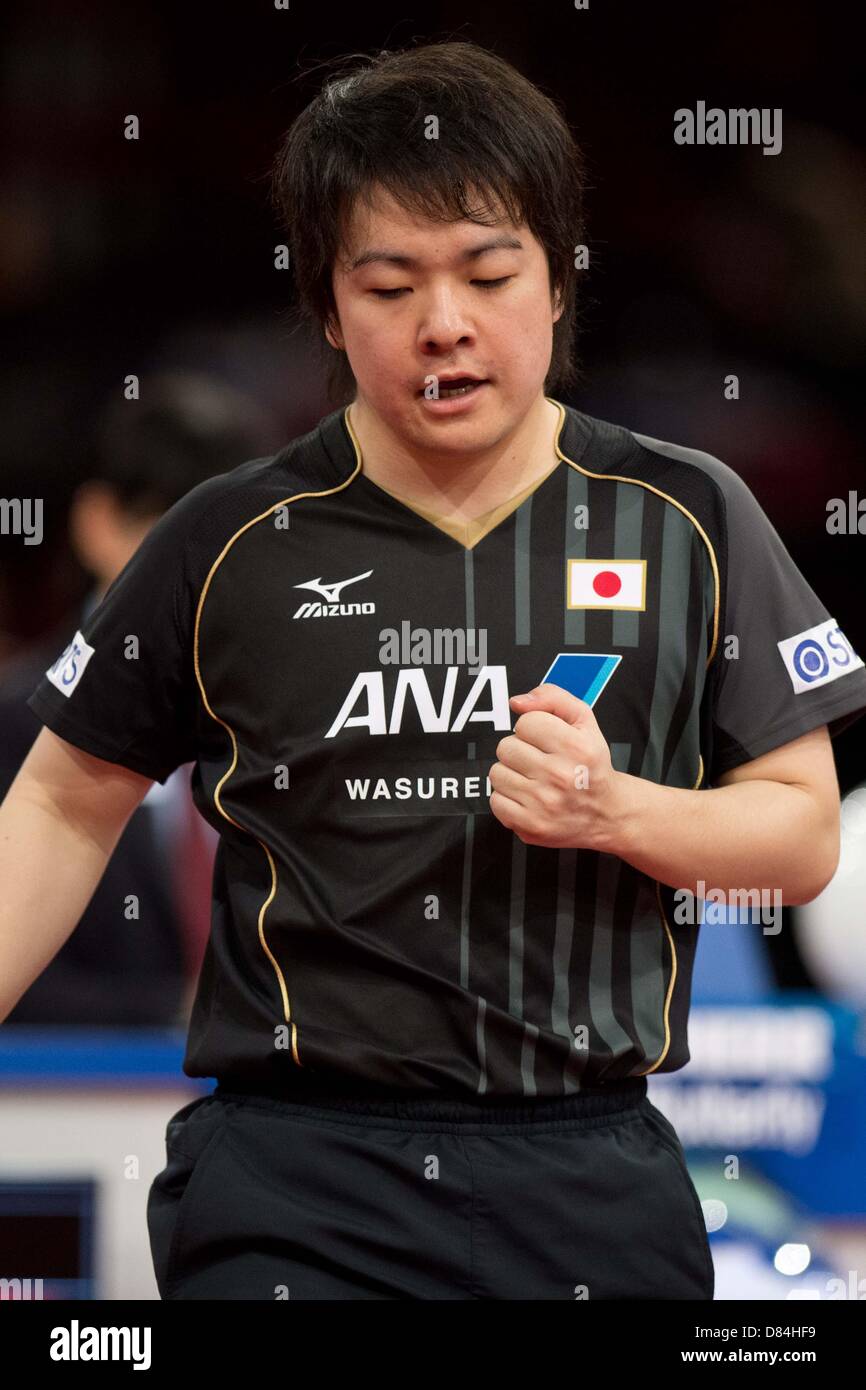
502	145
186	427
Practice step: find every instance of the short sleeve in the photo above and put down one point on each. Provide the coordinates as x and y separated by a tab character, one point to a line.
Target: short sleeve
124	687
792	669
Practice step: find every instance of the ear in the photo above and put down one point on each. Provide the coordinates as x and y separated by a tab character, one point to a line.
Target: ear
332	333
557	305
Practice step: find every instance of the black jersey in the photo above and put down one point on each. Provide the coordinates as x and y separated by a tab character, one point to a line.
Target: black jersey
338	667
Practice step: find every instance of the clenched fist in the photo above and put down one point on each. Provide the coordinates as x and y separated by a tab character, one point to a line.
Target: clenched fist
554	784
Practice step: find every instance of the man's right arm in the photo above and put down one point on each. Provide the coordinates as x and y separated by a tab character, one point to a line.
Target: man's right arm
59	824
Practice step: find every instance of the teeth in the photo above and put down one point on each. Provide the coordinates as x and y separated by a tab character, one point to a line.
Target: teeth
457	390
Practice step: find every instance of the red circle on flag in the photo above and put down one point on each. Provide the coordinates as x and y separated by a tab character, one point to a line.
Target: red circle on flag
606	584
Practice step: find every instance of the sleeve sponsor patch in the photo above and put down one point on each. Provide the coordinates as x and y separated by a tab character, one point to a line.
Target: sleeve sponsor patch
70	665
818	655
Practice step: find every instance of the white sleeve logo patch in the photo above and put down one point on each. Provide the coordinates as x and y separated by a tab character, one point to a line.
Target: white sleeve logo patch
70	665
817	656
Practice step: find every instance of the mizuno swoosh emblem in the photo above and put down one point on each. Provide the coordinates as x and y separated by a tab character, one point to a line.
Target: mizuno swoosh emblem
331	592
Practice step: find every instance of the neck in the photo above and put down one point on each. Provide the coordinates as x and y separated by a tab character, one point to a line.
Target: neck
466	485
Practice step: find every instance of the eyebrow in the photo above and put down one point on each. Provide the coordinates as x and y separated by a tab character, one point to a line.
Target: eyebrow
504	241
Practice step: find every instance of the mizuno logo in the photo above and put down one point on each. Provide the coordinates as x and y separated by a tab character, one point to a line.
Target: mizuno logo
331	593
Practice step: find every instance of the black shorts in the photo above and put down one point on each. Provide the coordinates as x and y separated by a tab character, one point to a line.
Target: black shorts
335	1197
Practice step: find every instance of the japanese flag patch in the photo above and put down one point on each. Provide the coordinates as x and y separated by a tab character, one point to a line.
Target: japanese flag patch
606	584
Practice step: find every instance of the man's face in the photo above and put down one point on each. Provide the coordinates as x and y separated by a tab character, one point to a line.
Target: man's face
413	303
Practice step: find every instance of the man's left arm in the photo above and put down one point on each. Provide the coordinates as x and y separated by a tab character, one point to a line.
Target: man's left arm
772	823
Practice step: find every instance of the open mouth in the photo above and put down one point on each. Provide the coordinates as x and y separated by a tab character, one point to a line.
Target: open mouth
460	386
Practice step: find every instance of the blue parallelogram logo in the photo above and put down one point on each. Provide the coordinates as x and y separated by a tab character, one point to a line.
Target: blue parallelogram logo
584	674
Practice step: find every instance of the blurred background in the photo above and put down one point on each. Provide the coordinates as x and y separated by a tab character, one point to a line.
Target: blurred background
155	257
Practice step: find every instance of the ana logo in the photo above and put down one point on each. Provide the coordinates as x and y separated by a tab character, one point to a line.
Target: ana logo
70	665
366	706
817	656
331	593
585	674
367	697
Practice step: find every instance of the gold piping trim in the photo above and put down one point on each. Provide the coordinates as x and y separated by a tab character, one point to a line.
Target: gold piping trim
618	477
672	981
621	478
481	526
327	492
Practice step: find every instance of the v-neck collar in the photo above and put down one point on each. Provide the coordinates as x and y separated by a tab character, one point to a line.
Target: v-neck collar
469	533
480	527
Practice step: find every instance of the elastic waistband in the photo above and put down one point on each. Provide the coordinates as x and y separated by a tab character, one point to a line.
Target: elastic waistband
588	1105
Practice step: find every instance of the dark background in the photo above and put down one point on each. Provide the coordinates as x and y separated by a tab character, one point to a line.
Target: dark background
119	256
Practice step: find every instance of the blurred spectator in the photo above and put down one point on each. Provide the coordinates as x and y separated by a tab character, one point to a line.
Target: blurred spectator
114	971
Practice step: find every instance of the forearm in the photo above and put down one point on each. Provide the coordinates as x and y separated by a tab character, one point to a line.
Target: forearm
49	869
749	835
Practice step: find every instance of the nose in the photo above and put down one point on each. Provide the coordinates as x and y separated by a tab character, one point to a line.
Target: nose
445	322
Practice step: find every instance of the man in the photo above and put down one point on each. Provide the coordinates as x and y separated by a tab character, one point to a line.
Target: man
443	957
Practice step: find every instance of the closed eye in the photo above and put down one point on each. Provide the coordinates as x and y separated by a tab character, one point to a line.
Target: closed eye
484	284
